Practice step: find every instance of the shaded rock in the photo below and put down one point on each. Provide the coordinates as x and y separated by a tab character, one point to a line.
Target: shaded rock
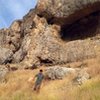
22	52
18	56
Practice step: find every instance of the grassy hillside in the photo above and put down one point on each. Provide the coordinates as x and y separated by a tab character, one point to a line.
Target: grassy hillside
17	87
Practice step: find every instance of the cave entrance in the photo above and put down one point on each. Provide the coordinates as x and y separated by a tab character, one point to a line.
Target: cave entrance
82	29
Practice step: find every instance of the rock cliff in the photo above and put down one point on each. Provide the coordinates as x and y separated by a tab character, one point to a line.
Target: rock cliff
55	32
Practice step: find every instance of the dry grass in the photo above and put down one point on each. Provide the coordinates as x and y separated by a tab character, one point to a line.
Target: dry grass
18	88
94	67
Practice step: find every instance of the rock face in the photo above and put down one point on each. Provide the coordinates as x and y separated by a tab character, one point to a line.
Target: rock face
55	32
5	55
66	11
3	72
44	46
10	41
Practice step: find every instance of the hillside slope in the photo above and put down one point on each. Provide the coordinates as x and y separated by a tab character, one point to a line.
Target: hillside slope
18	87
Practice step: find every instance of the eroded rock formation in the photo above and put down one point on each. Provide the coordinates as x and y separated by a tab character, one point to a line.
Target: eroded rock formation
58	72
55	32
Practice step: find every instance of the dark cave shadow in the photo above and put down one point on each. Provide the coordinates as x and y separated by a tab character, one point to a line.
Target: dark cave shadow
81	29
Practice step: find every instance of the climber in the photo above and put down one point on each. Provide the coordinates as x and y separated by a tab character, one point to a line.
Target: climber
39	78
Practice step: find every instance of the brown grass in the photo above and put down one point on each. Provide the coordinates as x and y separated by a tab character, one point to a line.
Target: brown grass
94	67
18	87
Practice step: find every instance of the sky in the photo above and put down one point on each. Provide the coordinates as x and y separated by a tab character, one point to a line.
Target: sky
11	10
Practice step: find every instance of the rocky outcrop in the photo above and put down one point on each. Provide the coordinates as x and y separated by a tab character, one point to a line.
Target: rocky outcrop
43	45
10	41
66	11
11	38
55	32
22	52
57	72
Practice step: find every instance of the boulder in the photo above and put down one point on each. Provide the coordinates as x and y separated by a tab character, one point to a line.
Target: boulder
81	77
58	72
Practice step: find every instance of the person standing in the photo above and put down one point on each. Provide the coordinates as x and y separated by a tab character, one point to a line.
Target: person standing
39	78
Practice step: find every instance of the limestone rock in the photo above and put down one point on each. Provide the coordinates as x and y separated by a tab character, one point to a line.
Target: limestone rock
3	72
10	39
16	26
82	77
66	11
55	32
22	52
5	55
58	72
46	46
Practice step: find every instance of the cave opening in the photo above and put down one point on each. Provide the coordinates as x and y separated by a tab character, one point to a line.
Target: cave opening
82	28
45	61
